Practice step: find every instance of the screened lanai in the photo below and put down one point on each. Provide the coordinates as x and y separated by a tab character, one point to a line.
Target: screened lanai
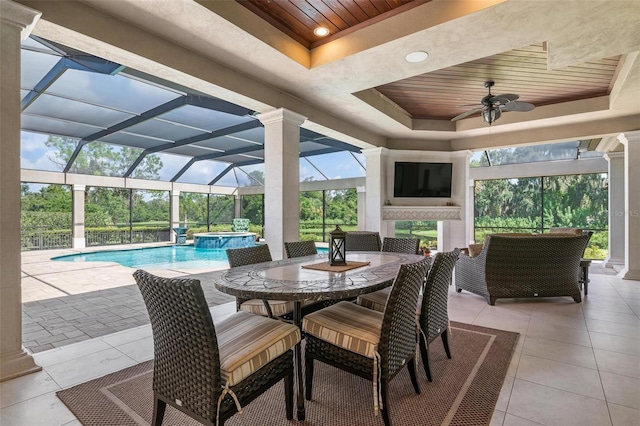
79	110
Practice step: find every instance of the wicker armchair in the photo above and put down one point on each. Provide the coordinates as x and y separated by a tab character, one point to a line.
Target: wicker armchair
370	344
300	248
209	372
401	245
362	241
524	266
249	256
433	311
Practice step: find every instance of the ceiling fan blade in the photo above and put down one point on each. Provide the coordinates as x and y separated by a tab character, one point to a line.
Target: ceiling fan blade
466	114
504	98
518	106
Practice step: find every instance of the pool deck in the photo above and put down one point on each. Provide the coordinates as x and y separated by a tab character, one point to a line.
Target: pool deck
68	302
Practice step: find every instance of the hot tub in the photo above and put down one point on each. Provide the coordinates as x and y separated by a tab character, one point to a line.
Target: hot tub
223	240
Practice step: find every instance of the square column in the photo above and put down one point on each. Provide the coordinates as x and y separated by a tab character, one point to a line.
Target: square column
237	206
617	219
376	193
362	208
77	217
174	213
16	23
281	178
631	142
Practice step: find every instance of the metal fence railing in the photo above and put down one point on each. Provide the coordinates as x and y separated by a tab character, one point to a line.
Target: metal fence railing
105	237
44	238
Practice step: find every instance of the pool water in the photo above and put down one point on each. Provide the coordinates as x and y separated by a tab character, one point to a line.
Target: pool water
170	257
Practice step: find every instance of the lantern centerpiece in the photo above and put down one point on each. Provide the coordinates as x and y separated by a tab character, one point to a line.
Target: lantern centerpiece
337	247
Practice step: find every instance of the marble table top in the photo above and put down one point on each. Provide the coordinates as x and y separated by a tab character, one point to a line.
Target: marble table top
287	280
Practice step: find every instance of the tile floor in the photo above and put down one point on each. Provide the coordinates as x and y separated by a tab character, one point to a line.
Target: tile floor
575	364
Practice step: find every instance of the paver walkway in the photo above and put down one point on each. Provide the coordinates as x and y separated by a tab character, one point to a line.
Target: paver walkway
67	302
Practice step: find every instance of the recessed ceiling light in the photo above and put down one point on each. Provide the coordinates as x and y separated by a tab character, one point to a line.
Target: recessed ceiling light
416	56
321	31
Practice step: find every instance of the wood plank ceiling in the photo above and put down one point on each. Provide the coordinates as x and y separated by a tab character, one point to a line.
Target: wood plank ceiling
445	93
298	18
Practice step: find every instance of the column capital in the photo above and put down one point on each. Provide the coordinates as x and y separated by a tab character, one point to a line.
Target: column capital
175	192
79	187
625	138
21	17
280	115
612	155
375	151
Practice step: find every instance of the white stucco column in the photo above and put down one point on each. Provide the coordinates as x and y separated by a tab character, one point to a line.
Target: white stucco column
362	205
375	191
457	233
617	234
281	178
77	216
631	142
16	23
174	213
237	206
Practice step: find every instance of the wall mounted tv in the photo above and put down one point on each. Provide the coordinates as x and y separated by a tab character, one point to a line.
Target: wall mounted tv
422	180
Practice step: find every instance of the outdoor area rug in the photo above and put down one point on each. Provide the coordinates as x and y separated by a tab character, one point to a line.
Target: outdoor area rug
464	391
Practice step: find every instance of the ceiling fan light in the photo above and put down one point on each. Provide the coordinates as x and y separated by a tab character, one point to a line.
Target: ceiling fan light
491	114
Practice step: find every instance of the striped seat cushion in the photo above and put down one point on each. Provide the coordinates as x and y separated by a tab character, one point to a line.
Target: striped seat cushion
346	325
376	300
248	342
278	307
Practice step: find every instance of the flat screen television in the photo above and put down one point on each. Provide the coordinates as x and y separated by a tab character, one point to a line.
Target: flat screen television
422	179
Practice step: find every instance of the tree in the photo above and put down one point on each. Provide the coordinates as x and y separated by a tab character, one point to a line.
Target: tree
101	159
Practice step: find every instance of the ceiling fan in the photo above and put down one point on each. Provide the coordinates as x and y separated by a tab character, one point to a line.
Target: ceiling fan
491	107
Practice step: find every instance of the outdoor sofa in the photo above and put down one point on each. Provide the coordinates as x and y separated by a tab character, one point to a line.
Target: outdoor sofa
514	266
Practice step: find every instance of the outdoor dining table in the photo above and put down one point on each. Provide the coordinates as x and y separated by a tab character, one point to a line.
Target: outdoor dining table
291	280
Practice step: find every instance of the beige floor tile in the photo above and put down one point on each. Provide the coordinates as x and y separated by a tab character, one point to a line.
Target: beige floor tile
558	351
616	329
43	410
579	380
80	370
631	319
497	418
140	350
26	387
559	333
613	343
621	390
510	420
70	352
505	394
551	318
126	336
73	423
624	416
611	305
617	363
554	407
513	365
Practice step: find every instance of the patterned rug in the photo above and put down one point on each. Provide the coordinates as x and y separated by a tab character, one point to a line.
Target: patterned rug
464	391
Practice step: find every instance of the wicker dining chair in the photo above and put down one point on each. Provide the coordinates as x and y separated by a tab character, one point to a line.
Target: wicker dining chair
250	256
433	311
401	245
362	241
209	372
300	248
370	344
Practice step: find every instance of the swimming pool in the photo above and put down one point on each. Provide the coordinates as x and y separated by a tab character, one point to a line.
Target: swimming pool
170	257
